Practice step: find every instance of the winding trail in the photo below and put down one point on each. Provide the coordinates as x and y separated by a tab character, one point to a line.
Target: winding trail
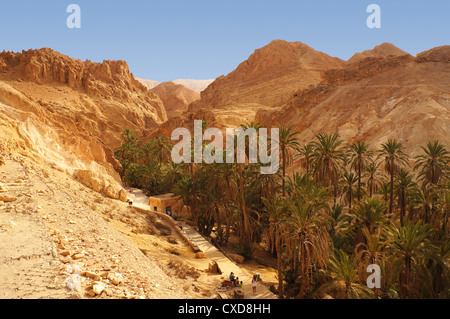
226	265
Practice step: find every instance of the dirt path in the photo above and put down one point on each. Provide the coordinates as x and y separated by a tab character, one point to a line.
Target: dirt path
225	264
28	264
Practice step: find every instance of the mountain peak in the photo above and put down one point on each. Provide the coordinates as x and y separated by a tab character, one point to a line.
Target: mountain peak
382	50
175	97
194	85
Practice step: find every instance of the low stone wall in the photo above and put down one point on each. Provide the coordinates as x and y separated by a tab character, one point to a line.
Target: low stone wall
174	225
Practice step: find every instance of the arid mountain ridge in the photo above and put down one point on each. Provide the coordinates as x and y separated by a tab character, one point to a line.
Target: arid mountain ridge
377	94
194	85
375	98
72	112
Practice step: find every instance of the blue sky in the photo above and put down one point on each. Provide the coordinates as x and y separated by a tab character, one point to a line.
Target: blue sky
200	39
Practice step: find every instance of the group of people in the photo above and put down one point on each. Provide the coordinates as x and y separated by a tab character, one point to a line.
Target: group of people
238	283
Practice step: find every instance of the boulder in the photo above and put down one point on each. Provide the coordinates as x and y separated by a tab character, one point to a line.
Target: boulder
237	258
214	268
98	287
112	192
101	184
200	255
92	275
115	278
6	198
89	179
123	196
78	256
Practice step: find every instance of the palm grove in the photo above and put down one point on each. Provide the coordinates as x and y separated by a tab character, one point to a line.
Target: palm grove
342	208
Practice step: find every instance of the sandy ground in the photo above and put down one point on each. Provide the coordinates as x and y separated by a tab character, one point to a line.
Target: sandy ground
55	223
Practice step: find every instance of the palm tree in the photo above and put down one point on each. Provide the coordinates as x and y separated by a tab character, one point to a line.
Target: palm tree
276	209
372	252
403	186
225	174
433	165
384	190
243	209
172	173
308	225
423	198
128	152
359	159
287	142
305	153
328	158
343	272
369	213
444	207
373	177
161	148
394	158
409	243
348	181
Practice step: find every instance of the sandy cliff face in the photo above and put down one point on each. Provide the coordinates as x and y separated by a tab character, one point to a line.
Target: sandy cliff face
375	98
176	97
71	113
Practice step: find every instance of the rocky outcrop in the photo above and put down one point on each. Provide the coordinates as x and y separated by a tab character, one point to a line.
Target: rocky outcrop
109	79
365	68
438	54
71	113
380	51
108	186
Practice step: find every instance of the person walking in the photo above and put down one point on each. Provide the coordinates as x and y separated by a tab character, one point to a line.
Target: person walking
254	280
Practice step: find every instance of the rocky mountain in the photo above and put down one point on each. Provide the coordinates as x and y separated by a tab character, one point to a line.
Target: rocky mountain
150	84
264	81
375	98
176	97
194	85
70	114
382	50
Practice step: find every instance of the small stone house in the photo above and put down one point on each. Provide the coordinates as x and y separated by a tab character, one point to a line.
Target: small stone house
169	204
